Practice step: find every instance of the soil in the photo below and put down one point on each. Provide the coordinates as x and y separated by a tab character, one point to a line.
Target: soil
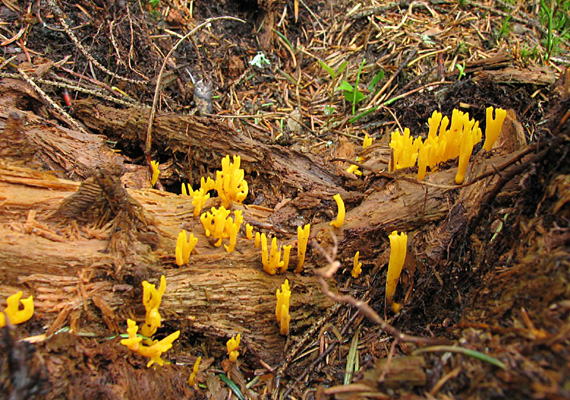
92	91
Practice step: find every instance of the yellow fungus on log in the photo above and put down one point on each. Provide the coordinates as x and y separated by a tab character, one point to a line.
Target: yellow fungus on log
341	211
249	231
184	246
230	182
282	308
151	300
154	352
155	172
12	311
302	241
493	126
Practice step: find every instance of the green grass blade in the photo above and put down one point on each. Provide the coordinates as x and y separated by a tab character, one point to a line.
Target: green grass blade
231	384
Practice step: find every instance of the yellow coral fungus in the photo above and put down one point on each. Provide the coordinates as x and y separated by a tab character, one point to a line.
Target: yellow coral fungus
257	239
233	347
230	182
302	241
286	254
353	169
13	313
151	300
153	352
155	172
214	223
249	231
192	378
199	198
356	267
493	126
282	308
468	139
404	150
341	211
207	184
271	260
184	246
186	189
398	249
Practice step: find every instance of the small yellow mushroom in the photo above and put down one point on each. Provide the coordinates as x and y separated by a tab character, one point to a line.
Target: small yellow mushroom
13	312
302	241
493	126
398	249
233	347
184	246
282	308
357	267
341	212
155	172
257	239
186	189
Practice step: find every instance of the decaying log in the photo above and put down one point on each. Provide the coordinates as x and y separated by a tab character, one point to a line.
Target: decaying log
72	275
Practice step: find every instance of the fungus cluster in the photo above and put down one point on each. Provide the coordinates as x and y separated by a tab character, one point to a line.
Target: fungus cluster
152	349
444	144
218	224
13	313
271	260
230	182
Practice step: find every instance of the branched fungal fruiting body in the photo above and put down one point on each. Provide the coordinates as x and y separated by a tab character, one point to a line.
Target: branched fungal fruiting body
12	311
398	249
302	241
282	308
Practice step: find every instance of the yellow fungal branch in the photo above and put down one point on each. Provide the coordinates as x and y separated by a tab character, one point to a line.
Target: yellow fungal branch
257	239
282	308
341	212
186	189
271	260
155	172
404	150
232	229
207	184
199	198
470	136
353	169
286	254
398	249
493	126
13	312
192	378
249	231
302	241
151	300
184	246
233	347
357	267
153	352
230	182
